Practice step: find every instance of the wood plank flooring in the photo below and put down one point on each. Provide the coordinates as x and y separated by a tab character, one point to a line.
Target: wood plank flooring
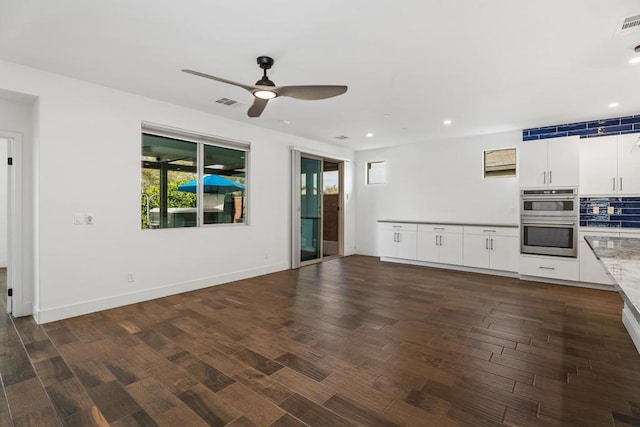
352	341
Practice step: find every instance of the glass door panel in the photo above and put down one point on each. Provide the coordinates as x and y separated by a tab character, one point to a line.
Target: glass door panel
310	209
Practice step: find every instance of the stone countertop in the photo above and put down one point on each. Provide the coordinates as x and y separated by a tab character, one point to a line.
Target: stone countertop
621	258
472	224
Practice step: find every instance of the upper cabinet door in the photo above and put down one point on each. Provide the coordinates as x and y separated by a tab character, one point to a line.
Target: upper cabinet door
550	163
533	164
629	164
563	162
598	165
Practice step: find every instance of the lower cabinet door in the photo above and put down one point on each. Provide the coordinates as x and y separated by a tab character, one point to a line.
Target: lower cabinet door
407	244
387	243
504	252
427	246
450	248
476	250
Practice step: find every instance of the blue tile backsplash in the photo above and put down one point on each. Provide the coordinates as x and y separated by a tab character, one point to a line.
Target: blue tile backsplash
626	212
590	129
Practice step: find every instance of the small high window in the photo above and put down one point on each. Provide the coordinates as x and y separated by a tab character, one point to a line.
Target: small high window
376	172
500	163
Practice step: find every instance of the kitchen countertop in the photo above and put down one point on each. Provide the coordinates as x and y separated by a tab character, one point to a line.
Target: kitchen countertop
473	224
621	258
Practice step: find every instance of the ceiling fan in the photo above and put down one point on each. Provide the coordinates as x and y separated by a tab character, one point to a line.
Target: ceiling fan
265	89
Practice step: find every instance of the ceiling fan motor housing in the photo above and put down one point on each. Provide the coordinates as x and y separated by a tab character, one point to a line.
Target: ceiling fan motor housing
265	62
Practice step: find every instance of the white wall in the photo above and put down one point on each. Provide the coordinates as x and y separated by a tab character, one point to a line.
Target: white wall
434	181
16	117
88	160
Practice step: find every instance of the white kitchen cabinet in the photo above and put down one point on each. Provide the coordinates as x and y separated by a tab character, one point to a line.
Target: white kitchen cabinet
591	270
495	248
440	243
397	240
550	162
549	267
610	165
629	164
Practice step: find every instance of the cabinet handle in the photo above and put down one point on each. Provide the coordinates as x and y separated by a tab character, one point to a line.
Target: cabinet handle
547	268
436	240
550	177
438	228
614	184
491	244
544	180
398	237
620	183
486	243
489	231
441	240
396	226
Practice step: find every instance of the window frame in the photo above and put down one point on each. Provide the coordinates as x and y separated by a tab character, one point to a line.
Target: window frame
201	140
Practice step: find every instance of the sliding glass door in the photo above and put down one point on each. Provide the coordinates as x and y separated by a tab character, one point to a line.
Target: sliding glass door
316	208
310	208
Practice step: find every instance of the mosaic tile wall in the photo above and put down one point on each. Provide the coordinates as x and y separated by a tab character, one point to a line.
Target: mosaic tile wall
594	128
625	212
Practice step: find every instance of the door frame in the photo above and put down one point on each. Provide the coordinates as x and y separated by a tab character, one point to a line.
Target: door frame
15	304
296	154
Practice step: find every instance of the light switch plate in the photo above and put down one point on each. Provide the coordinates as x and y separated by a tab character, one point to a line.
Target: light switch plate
596	210
78	219
610	210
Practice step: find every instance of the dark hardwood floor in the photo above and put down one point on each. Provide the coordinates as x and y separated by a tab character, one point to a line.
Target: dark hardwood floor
352	341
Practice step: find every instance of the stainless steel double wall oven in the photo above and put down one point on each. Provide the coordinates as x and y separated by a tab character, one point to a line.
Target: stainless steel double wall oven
549	221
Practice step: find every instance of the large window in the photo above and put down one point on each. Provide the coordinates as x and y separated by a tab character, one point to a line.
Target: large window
190	180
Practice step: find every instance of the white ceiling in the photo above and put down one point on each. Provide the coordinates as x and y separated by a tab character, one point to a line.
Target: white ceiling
488	65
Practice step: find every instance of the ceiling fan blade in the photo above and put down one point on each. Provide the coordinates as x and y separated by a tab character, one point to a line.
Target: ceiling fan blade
220	79
257	108
310	92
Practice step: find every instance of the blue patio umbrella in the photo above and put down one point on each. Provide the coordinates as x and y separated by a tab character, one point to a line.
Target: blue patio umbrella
212	184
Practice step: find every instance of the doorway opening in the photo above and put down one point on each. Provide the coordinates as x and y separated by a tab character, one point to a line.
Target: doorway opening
11	223
317	221
4	220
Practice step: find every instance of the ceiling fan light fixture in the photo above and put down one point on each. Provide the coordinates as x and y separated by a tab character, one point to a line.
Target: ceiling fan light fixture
264	94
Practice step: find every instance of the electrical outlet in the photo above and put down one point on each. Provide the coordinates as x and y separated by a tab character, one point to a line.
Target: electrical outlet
88	218
596	210
130	277
610	210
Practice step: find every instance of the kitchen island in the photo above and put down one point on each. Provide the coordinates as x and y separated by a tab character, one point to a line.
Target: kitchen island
621	258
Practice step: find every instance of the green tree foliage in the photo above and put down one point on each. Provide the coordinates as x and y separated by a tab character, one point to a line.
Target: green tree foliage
175	198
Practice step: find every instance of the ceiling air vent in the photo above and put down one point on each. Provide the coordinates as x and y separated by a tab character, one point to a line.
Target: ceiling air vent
229	102
341	137
630	25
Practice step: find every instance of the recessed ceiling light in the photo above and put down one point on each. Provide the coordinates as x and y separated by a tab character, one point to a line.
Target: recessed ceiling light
447	122
285	122
614	105
386	116
635	60
369	135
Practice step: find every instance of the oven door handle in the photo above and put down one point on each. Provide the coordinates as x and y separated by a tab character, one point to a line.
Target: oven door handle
549	224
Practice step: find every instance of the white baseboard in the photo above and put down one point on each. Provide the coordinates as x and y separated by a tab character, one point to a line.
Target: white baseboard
587	285
452	267
91	306
632	325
